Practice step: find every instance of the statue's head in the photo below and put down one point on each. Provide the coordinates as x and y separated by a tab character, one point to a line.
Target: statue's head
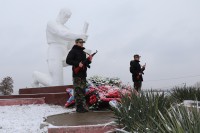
64	15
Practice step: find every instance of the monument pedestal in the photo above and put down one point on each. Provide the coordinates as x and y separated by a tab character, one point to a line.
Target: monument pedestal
55	95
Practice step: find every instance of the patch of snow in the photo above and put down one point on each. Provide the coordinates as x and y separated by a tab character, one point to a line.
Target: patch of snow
27	118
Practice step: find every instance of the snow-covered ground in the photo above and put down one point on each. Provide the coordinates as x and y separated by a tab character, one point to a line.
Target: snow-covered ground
26	118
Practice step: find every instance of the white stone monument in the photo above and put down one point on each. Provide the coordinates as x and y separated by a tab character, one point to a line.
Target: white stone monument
60	41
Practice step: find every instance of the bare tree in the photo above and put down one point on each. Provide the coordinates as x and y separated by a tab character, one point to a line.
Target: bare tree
6	86
197	84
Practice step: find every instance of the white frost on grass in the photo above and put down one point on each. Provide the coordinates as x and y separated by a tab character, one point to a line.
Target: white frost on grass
26	118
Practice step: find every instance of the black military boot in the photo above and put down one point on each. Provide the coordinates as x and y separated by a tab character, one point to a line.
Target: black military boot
81	109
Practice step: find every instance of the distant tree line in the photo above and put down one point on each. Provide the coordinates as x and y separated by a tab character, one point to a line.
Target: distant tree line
6	86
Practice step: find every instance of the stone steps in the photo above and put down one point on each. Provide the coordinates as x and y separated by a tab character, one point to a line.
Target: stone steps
21	101
55	95
50	98
51	89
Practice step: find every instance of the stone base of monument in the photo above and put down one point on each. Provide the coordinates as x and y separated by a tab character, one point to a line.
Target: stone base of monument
90	122
52	95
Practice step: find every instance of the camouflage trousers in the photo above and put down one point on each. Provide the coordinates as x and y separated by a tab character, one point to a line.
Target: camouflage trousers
138	85
79	90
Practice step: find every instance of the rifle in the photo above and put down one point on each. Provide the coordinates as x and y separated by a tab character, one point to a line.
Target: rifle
142	71
85	63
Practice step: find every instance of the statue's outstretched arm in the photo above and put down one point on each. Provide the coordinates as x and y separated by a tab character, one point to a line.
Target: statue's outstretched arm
64	33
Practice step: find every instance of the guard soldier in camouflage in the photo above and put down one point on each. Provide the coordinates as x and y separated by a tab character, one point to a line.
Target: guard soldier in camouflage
137	71
77	58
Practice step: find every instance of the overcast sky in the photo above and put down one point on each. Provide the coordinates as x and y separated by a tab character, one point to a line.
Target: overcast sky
166	33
